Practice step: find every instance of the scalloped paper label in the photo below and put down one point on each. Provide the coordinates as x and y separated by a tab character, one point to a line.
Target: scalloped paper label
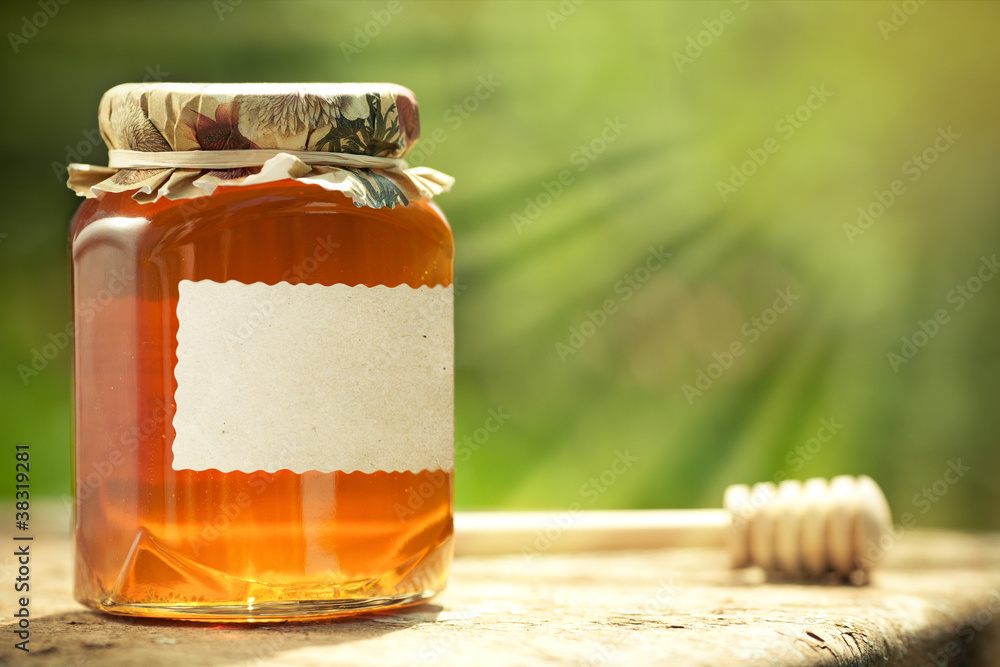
314	377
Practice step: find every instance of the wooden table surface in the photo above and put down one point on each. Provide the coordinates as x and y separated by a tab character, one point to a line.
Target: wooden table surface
934	603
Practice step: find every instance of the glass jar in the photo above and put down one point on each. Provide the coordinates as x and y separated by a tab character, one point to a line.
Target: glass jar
263	357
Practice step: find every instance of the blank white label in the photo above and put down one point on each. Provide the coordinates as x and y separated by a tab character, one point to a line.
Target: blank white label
314	377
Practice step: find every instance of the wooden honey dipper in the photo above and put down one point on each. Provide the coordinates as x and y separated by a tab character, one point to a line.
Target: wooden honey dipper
800	528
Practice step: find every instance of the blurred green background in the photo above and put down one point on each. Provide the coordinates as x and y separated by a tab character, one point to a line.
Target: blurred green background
642	108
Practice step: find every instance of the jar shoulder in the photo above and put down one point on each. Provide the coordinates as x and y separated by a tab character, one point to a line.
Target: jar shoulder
119	215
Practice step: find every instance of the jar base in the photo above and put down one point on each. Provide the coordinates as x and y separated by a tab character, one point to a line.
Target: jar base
283	611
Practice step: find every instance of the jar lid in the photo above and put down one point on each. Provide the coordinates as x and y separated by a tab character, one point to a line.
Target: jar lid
180	140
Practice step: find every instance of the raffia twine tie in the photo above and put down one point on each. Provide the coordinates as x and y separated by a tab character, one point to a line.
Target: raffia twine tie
234	159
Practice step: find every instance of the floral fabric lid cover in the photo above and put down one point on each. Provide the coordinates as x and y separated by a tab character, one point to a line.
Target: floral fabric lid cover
378	120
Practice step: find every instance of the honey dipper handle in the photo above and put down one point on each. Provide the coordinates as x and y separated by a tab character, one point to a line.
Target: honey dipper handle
530	533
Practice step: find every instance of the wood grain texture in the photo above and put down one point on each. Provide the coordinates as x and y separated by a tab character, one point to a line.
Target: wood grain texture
938	593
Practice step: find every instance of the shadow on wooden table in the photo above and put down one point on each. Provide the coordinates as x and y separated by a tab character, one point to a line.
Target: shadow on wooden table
82	638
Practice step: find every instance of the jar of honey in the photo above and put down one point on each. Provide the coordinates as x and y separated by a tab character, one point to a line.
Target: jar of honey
264	392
